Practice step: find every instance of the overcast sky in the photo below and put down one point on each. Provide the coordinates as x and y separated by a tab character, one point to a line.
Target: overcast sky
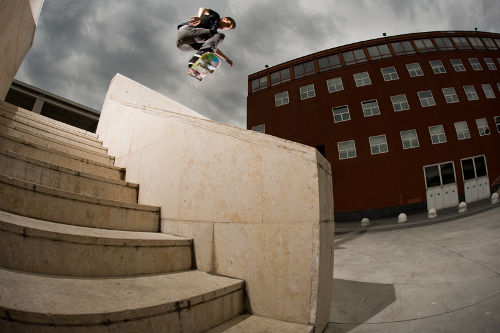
81	44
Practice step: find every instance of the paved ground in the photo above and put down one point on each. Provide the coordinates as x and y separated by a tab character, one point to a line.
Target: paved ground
439	277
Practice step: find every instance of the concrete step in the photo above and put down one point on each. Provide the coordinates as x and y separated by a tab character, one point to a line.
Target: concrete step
189	301
45	203
50	175
37	246
257	324
56	144
45	120
42	153
27	125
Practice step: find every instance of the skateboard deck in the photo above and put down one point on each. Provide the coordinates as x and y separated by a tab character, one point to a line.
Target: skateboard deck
204	66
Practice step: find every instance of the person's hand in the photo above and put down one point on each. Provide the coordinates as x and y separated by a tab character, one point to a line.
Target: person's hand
194	21
230	62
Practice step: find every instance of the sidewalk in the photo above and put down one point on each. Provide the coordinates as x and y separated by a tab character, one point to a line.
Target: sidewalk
415	220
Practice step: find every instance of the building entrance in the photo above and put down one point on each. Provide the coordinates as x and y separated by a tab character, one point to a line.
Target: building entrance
441	184
475	175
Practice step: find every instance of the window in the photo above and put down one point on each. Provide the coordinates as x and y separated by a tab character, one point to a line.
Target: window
378	144
490	64
389	73
259	128
307	92
402	48
409	139
476	65
437	66
462	130
330	62
362	79
476	43
354	57
458	65
259	84
379	52
414	69
482	127
281	98
304	69
444	43
497	41
498	86
450	95
335	84
490	44
280	76
437	134
471	93
424	45
461	43
341	113
497	123
400	103
488	91
370	108
426	98
439	174
347	149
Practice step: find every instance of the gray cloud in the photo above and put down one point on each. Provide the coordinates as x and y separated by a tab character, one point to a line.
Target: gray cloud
80	45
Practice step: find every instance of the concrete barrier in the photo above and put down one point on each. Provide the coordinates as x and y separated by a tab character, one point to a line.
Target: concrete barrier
259	208
18	19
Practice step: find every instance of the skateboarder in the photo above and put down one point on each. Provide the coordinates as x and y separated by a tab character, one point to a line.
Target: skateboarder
200	34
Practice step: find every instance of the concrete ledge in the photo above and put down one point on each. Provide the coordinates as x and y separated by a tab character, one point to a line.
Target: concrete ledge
256	324
193	300
55	144
54	124
38	246
41	202
50	175
53	156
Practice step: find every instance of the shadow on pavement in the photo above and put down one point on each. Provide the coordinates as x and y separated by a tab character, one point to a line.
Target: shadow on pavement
354	302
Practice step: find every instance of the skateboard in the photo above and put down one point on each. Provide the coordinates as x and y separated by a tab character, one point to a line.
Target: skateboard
204	66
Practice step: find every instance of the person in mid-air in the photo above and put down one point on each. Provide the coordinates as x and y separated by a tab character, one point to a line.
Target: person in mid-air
200	34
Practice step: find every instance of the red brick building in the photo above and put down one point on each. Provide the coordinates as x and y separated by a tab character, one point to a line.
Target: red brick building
408	122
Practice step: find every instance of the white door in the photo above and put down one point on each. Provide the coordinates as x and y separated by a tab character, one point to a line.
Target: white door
441	185
475	175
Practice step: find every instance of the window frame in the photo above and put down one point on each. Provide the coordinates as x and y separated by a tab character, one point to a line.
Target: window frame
426	99
411	140
306	94
462	133
378	145
392	76
305	70
260	85
440	135
403	48
330	64
450	98
437	66
281	78
490	93
471	94
366	81
381	51
481	129
475	64
348	150
356	57
458	67
415	72
400	103
342	107
370	111
334	85
490	64
424	45
281	98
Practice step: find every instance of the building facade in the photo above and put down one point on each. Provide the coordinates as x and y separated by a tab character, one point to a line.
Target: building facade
408	122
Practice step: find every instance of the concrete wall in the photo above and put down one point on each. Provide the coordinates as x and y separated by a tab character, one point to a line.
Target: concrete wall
18	19
258	207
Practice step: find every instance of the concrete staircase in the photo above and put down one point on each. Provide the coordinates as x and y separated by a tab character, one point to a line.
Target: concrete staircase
79	254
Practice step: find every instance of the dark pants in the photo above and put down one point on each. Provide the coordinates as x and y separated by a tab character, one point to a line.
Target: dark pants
193	39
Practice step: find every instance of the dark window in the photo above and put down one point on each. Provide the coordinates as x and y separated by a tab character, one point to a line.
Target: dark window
432	176
330	62
280	76
354	57
468	169
304	69
447	173
480	166
403	48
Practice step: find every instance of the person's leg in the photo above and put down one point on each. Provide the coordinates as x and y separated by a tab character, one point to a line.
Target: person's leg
191	38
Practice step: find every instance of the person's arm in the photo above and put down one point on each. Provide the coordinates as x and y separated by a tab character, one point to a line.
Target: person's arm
194	21
229	61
